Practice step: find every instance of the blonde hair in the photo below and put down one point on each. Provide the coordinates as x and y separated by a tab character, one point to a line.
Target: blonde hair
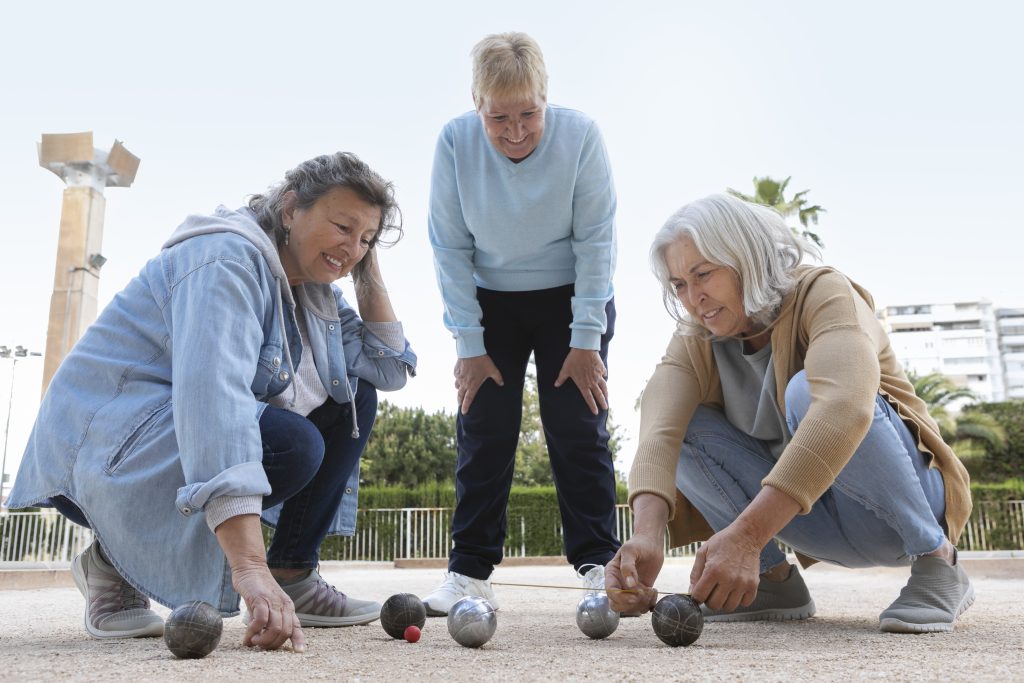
508	65
752	240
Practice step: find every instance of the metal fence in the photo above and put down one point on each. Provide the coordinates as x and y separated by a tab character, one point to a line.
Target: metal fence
386	534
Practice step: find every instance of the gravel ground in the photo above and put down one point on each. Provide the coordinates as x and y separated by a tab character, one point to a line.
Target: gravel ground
42	638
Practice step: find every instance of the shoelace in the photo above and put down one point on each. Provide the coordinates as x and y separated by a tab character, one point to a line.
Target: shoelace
131	598
328	595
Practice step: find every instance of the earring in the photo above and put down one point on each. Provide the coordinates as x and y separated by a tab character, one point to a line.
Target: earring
287	234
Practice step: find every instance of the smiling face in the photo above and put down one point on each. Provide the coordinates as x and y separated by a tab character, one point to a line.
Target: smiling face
514	125
329	238
711	293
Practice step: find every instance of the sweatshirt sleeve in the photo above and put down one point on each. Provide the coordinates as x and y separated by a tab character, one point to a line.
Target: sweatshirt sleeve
593	242
454	249
843	373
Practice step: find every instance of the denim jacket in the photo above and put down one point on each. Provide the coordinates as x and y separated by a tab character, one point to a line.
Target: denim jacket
155	412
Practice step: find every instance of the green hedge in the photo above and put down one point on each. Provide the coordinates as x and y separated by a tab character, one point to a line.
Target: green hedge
1011	489
534	521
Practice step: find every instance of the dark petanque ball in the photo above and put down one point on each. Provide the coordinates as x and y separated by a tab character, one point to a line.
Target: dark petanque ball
595	616
193	630
401	611
677	620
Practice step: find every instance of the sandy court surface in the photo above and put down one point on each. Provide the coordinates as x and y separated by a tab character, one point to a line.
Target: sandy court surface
42	638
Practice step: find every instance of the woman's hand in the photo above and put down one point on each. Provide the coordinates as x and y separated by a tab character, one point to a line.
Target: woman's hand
371	294
273	614
470	374
587	371
637	564
629	578
726	571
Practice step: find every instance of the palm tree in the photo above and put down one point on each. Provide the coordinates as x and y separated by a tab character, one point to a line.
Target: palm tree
771	192
969	427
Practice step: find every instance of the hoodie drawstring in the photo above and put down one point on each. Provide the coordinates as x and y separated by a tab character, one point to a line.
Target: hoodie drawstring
291	368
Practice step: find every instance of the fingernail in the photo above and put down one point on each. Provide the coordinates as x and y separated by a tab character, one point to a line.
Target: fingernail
299	648
630	582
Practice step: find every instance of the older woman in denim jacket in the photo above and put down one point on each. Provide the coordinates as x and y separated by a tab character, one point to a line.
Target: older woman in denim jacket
230	380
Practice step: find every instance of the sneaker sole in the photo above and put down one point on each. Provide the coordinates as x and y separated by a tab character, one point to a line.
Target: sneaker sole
153	630
431	612
892	625
793	614
314	621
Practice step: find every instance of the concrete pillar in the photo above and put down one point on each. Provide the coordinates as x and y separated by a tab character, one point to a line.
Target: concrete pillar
75	283
86	171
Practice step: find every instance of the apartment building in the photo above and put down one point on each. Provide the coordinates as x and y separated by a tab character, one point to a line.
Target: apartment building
1010	325
959	340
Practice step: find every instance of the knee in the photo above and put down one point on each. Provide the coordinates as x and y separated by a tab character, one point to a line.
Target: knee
705	422
308	448
798	399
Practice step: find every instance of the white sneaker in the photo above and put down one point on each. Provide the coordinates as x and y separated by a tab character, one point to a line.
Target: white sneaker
455	587
592	576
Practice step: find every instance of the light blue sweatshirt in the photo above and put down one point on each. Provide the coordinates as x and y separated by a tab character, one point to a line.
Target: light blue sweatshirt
544	222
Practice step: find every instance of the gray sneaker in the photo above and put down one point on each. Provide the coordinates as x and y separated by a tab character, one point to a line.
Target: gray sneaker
113	607
933	598
319	604
775	601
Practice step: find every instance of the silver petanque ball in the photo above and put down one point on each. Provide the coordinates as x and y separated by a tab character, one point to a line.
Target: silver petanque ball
472	621
595	617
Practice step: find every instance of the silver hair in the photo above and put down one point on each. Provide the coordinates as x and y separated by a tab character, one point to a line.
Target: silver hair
751	239
312	179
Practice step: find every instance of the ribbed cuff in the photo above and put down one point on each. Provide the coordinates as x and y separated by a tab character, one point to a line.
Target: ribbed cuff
801	473
219	510
388	332
648	476
470	345
588	340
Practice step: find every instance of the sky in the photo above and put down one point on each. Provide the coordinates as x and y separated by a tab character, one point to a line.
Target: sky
903	119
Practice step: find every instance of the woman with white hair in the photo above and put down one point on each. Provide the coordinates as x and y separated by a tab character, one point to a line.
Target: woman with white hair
780	412
522	223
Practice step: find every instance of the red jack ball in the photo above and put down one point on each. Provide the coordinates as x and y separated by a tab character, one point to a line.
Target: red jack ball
412	634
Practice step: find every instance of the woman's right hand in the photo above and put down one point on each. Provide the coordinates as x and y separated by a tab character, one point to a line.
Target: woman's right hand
273	618
470	374
272	614
630	576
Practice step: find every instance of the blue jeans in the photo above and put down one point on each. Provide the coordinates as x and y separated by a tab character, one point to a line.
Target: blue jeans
308	460
885	508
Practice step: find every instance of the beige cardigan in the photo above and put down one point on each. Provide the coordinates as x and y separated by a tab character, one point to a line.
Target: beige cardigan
827	326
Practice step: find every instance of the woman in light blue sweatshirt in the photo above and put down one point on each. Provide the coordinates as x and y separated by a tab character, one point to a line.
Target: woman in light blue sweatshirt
522	210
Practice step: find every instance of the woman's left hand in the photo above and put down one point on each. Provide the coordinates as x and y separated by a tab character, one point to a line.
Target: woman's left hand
726	571
587	371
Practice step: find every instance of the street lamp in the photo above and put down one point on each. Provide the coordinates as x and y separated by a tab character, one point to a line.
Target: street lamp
17	354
